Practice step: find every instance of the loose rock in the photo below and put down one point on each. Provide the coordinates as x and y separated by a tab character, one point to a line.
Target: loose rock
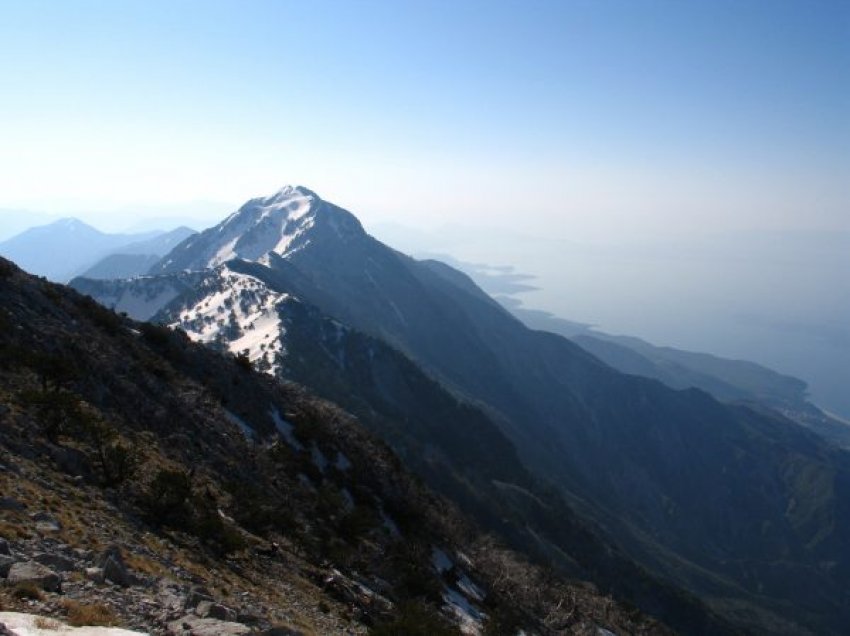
46	522
36	573
9	503
56	562
195	626
208	609
5	564
114	570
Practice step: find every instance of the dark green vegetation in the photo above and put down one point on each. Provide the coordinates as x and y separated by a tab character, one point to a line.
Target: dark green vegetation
201	435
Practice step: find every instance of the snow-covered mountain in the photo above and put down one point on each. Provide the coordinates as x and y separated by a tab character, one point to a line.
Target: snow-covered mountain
239	313
295	283
280	224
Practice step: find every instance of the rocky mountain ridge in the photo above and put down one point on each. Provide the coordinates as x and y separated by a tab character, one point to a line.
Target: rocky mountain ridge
632	458
153	483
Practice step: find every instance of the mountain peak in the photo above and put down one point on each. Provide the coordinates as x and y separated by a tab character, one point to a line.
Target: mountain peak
294	190
71	223
282	223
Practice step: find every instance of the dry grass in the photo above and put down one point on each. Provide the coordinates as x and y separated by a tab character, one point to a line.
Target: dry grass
13	531
145	565
42	622
96	614
27	591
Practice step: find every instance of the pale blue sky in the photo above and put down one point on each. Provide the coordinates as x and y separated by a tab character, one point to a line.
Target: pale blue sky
587	119
487	125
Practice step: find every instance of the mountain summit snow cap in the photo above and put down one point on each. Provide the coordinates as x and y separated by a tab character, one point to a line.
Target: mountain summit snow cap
292	219
294	190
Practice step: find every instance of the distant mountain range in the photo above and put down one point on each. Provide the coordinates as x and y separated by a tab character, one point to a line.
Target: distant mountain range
68	247
727	380
568	458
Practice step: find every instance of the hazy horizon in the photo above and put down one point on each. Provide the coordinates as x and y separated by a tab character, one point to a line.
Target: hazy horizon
678	172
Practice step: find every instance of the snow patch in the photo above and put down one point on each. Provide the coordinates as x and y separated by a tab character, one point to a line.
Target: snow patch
342	462
319	458
470	589
24	625
470	618
286	430
389	524
441	561
247	431
140	299
243	314
261	226
349	500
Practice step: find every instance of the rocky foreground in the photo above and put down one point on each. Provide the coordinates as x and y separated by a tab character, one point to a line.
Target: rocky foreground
151	484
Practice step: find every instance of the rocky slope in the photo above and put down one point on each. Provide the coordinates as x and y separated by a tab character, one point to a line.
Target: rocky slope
453	445
728	501
152	483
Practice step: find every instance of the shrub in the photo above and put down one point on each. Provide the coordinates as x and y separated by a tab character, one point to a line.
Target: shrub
27	591
415	619
418	579
58	412
58	369
102	317
6	268
167	495
258	511
157	335
210	528
119	462
244	362
356	523
42	622
97	615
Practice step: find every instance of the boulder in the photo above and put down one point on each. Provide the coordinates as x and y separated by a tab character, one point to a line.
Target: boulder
249	617
211	609
6	562
196	626
111	562
46	522
70	460
56	561
197	596
116	572
35	573
10	503
4	548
